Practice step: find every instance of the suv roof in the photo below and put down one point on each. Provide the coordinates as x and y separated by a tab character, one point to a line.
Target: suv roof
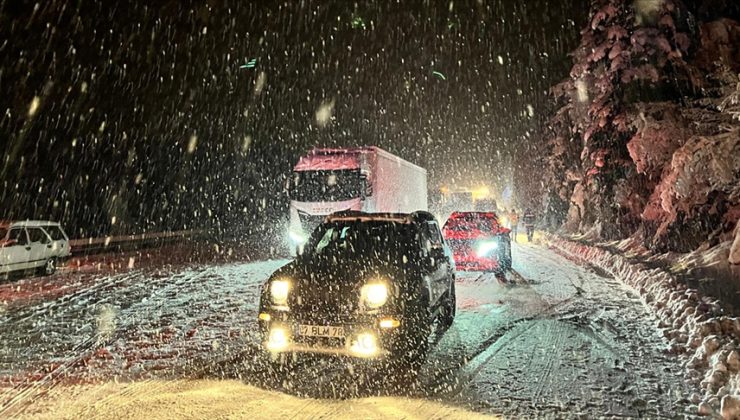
476	214
359	216
27	223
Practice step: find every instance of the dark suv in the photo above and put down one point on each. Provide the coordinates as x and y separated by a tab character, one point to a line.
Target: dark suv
366	285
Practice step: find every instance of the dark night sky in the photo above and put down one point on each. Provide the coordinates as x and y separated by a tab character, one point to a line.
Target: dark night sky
140	111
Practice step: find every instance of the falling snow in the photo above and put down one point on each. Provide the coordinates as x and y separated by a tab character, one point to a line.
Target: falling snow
173	142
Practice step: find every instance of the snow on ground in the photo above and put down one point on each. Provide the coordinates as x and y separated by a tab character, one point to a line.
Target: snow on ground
208	399
132	325
700	332
567	340
562	341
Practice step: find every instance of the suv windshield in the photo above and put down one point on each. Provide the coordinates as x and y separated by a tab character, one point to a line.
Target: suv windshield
361	238
313	186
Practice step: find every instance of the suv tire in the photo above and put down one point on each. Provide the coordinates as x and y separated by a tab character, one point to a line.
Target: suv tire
412	356
505	255
447	316
413	345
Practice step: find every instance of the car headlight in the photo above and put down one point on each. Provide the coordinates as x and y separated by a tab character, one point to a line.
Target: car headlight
374	295
486	247
279	291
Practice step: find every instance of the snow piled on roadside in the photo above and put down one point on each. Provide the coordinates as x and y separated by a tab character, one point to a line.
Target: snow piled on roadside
734	257
694	325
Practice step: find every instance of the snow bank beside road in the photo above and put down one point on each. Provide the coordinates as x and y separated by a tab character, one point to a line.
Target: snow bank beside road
698	331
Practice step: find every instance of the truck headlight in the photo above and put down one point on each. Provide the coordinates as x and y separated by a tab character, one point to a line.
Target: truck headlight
374	295
486	247
279	291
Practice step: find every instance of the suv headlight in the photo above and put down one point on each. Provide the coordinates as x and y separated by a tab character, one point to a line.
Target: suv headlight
374	295
279	290
486	247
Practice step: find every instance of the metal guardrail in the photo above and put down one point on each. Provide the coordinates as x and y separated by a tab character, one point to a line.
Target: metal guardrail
131	242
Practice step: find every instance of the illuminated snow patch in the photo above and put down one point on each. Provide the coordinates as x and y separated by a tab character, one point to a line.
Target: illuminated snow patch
324	113
106	323
259	84
192	144
646	11
34	106
581	91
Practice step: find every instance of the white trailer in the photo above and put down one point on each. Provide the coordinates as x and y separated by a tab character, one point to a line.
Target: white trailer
367	179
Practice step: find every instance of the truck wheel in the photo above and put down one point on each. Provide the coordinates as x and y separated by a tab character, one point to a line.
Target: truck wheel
447	317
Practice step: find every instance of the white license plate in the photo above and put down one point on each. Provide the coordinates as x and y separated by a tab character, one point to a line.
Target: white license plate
321	331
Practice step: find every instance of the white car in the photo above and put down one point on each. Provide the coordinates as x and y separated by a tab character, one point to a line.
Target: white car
32	244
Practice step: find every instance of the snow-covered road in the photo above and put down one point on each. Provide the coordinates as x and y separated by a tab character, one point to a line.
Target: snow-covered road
565	341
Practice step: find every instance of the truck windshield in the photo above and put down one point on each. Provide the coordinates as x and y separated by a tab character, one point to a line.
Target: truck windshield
315	186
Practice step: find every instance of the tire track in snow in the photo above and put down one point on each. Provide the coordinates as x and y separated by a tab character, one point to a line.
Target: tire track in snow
83	351
11	397
490	346
493	344
497	342
552	341
27	391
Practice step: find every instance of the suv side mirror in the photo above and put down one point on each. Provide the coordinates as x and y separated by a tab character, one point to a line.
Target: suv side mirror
434	256
9	243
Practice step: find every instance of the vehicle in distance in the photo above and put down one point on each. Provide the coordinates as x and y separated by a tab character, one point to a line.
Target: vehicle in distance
479	241
366	179
366	286
449	199
32	244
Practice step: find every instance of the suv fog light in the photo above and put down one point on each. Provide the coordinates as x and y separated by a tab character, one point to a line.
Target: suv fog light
265	317
277	339
365	344
389	323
